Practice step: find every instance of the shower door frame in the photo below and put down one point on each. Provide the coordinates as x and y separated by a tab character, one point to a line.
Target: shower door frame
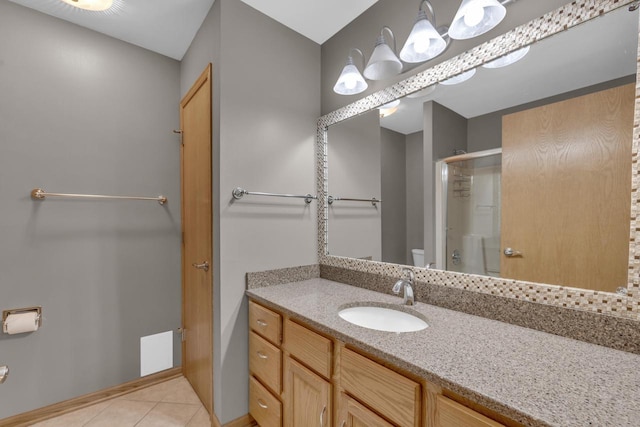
442	182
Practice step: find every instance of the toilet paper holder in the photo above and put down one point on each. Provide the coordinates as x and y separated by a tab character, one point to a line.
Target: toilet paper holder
37	309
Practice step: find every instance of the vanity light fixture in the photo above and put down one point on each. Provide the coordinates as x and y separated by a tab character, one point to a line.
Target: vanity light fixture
351	81
462	77
388	109
425	42
508	59
92	5
476	17
384	62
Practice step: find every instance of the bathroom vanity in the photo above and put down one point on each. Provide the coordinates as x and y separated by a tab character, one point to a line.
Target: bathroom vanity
310	367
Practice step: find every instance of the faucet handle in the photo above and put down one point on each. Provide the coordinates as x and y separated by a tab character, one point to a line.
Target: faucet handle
397	286
410	273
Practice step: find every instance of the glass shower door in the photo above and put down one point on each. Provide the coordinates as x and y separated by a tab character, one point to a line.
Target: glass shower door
472	218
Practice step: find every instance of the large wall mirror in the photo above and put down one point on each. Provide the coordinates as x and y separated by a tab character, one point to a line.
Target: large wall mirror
521	173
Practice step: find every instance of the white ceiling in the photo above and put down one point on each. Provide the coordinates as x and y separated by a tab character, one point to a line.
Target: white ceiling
168	26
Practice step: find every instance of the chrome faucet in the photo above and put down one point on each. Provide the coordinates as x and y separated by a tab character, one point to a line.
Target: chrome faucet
407	285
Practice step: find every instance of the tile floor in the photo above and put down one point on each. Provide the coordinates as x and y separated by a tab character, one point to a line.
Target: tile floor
172	403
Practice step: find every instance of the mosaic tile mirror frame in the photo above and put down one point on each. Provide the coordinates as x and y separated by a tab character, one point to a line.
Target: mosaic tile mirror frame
614	304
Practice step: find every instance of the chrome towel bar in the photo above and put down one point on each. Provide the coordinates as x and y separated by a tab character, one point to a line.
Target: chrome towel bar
40	194
239	192
373	200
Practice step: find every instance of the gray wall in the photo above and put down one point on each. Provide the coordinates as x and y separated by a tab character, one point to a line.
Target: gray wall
444	131
82	112
393	159
354	229
266	104
415	195
400	16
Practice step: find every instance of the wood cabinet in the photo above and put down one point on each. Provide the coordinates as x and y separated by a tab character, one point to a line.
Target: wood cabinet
450	413
265	408
265	362
301	378
307	396
392	395
354	414
265	322
265	366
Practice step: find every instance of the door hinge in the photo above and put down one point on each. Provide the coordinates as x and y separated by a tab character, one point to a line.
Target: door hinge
183	334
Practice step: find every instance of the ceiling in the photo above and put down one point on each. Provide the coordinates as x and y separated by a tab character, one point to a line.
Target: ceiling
168	26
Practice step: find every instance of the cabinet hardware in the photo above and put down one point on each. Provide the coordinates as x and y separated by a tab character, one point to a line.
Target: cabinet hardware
262	404
324	409
261	322
261	355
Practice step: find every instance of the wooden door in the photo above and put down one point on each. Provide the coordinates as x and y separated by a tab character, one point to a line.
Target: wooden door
197	284
566	185
354	414
306	397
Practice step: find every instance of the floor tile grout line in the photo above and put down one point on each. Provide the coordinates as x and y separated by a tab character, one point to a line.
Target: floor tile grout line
111	402
146	413
194	414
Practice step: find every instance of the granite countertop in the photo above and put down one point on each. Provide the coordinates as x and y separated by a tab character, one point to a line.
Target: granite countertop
533	377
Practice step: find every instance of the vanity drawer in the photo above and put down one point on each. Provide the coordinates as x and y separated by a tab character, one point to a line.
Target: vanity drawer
394	396
265	362
308	347
265	322
450	413
263	406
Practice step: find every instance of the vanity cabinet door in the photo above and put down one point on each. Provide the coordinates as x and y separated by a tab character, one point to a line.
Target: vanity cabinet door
265	322
265	362
452	414
393	395
353	414
313	350
263	406
307	397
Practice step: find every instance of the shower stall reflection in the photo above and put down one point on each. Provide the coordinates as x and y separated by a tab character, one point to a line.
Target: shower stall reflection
468	213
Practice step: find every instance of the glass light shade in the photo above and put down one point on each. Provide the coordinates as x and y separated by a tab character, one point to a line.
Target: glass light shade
386	112
476	17
383	62
508	59
93	5
424	42
350	81
462	77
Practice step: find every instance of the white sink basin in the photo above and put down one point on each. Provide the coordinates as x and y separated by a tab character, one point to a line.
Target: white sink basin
382	319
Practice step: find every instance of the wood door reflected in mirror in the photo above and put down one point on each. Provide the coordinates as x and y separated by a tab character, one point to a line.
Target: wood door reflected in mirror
566	180
576	185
